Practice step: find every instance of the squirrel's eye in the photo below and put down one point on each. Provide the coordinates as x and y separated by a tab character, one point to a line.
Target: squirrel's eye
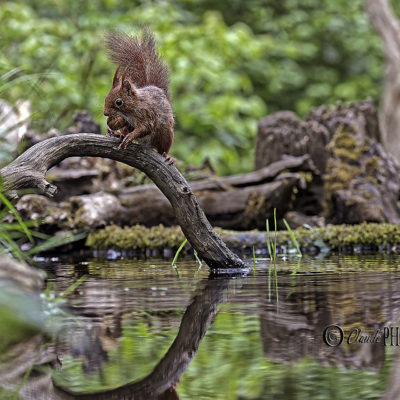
118	102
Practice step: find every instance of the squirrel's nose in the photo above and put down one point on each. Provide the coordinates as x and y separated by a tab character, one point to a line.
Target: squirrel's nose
106	113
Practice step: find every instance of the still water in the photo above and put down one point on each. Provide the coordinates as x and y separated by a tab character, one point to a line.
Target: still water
135	329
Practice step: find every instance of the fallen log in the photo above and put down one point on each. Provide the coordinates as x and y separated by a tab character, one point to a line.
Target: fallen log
235	202
29	170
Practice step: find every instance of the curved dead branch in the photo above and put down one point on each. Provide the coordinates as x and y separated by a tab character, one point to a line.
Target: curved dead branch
30	168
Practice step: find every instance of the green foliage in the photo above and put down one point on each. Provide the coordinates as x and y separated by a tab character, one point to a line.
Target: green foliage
231	62
14	234
20	315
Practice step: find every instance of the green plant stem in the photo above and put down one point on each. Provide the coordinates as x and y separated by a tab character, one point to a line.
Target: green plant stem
293	237
254	259
7	203
177	253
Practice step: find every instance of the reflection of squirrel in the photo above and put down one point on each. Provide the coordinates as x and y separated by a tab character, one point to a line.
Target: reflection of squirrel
138	103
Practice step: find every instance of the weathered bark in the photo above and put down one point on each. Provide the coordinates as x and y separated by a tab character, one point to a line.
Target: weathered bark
388	27
285	133
362	182
359	178
29	169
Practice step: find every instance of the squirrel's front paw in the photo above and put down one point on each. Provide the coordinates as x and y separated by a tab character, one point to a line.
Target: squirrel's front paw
111	133
170	160
124	144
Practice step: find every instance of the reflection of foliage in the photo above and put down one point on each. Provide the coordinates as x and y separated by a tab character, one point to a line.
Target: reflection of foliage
139	351
230	365
224	77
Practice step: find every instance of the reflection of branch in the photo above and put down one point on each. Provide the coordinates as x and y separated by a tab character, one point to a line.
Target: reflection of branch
29	170
167	372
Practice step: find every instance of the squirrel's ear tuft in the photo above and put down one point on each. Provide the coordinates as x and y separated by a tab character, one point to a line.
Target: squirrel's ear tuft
117	78
130	89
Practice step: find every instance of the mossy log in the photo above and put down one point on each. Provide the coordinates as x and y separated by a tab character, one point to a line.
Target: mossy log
366	237
29	170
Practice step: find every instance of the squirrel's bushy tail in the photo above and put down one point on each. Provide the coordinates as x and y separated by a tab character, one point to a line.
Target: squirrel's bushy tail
139	56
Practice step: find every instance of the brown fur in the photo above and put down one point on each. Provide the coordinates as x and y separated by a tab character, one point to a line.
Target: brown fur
138	103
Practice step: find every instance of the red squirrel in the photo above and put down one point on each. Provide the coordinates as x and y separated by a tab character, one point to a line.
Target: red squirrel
138	103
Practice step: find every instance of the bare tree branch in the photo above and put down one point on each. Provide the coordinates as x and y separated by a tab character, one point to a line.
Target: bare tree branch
386	24
388	27
29	170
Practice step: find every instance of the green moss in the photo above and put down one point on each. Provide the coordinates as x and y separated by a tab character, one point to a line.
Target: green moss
371	165
331	236
340	176
308	176
136	237
337	236
344	140
347	167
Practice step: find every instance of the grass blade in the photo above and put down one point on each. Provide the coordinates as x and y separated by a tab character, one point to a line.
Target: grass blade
275	271
7	203
275	235
197	258
56	241
268	239
72	287
293	237
254	259
177	253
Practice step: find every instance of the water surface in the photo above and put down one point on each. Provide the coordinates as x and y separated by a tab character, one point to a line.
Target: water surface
170	333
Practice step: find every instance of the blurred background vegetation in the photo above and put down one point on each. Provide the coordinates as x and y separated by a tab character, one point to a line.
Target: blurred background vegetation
231	62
